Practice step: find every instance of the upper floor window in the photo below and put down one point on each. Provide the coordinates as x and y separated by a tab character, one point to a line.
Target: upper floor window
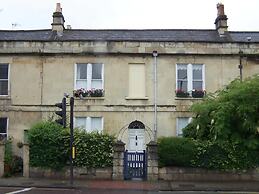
3	127
190	77
89	123
4	79
181	123
89	76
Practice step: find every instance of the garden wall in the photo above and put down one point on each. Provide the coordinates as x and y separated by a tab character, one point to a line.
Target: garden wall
196	174
79	173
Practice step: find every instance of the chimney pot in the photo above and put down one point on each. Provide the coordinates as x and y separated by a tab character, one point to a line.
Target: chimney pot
221	20
220	8
58	7
58	20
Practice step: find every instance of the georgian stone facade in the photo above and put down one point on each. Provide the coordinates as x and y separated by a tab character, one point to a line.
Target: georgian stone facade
43	65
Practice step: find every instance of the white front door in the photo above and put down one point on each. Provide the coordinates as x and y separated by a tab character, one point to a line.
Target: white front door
136	140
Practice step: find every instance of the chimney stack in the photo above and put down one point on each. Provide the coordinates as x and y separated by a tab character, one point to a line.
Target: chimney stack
58	20
221	20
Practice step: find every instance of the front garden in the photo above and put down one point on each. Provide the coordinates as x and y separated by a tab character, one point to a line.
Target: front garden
224	134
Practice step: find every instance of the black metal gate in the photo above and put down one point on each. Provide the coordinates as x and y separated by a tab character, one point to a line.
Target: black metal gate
135	165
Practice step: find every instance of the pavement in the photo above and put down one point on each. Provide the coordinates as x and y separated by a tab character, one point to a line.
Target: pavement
131	185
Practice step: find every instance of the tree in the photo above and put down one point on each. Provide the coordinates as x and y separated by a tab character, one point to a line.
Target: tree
230	114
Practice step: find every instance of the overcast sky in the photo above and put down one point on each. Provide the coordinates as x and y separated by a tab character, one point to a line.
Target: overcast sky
129	14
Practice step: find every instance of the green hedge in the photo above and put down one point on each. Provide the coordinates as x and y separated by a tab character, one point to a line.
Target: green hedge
49	147
93	149
175	151
225	156
211	155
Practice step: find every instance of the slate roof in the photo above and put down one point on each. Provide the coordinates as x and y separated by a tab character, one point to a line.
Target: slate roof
163	35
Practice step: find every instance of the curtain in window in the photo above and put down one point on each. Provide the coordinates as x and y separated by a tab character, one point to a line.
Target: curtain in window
182	77
80	122
97	76
96	124
197	76
81	76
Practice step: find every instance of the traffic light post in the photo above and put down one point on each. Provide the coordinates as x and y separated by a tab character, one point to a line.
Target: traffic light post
61	113
72	147
62	121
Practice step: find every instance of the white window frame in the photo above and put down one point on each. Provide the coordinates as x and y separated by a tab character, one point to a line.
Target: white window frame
89	76
8	79
88	123
178	134
189	76
7	126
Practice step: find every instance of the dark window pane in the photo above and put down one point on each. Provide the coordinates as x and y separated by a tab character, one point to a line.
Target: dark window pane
97	71
3	125
81	71
3	87
197	74
197	85
182	73
3	71
182	85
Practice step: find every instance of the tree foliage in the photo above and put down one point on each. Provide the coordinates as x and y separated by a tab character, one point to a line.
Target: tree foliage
230	114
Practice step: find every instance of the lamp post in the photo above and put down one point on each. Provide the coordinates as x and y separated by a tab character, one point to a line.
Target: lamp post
155	54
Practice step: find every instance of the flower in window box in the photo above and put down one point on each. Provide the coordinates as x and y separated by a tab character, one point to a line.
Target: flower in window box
80	93
198	93
181	93
96	92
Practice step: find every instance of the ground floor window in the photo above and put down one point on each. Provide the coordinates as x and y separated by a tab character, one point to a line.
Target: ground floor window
181	123
89	123
3	127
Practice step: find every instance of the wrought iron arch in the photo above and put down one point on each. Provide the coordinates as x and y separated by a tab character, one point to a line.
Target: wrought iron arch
136	125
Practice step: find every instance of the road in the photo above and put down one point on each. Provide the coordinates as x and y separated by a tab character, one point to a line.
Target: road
32	190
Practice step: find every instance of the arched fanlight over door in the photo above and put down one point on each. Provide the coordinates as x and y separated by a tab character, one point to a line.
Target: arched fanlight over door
136	125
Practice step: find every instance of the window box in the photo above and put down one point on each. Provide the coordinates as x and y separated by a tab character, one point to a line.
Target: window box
80	93
190	77
182	94
198	93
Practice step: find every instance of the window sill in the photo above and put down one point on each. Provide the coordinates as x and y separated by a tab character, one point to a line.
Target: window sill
187	98
89	98
5	97
136	98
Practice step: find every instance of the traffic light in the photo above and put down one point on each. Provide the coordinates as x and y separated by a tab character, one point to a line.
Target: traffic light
61	113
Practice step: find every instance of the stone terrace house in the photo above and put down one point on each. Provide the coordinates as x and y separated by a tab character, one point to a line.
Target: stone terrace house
137	84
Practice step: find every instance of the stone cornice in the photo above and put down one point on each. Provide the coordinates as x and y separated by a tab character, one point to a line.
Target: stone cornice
104	47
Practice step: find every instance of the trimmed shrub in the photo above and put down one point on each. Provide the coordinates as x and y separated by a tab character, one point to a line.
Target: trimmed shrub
176	151
224	156
93	149
49	147
221	155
